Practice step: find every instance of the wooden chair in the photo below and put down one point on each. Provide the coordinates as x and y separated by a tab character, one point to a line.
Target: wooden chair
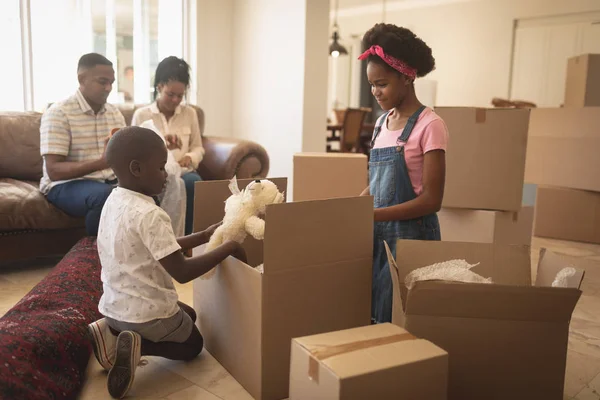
349	137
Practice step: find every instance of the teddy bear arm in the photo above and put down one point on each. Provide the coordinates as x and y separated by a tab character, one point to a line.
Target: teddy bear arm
255	227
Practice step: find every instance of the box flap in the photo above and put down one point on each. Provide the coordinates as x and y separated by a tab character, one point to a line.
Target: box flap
491	301
505	264
550	264
397	300
317	232
330	155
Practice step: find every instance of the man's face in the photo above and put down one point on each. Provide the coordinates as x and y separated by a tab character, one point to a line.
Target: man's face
96	83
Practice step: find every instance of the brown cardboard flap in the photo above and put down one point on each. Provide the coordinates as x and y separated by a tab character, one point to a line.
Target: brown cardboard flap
550	264
505	264
397	300
318	232
210	197
490	301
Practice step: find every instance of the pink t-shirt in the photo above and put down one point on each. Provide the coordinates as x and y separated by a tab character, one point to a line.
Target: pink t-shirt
430	133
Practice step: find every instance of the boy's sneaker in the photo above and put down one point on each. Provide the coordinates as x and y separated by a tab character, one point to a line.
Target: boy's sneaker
120	377
104	343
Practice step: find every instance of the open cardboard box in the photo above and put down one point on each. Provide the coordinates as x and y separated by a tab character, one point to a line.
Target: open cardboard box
317	259
506	340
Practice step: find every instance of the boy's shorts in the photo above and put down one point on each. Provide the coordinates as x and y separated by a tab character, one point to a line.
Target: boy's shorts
177	328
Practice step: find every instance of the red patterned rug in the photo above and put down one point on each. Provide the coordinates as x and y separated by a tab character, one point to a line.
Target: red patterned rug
44	349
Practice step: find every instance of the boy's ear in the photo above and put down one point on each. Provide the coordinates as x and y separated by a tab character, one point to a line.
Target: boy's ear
135	168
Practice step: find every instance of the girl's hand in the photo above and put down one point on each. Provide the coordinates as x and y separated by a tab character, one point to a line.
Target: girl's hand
185	162
173	142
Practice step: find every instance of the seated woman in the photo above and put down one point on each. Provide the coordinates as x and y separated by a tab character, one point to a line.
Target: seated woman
171	80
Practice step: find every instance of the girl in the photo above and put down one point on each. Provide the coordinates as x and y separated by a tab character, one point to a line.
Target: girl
407	162
171	80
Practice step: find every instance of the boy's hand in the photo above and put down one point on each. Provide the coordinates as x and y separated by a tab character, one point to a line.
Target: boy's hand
211	229
239	252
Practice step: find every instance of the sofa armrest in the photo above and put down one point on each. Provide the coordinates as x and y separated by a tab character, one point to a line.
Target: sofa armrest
226	157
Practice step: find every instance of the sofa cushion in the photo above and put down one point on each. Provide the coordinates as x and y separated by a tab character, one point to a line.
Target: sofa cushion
23	206
44	346
20	145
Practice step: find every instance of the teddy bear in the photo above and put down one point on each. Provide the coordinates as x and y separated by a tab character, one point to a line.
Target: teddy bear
242	213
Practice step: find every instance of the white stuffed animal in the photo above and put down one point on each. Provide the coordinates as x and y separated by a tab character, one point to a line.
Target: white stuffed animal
242	213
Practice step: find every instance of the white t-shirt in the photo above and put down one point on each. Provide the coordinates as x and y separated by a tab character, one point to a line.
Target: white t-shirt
134	234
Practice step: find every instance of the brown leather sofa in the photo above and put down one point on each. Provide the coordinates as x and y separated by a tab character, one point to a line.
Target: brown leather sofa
31	227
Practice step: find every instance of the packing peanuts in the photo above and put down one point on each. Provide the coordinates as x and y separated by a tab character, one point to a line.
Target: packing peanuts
317	278
506	339
485	161
382	362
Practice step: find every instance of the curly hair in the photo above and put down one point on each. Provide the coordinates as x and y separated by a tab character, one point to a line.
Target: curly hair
171	69
402	44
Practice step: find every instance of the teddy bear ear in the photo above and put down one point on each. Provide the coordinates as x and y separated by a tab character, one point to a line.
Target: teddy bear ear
233	186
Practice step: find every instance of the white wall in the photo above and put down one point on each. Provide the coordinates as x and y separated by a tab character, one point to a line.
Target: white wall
471	41
280	77
214	70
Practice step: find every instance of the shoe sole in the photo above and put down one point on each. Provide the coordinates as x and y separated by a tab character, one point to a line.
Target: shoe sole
120	377
99	346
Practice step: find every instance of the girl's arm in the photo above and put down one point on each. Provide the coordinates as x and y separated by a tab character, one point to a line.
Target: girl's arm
430	201
366	192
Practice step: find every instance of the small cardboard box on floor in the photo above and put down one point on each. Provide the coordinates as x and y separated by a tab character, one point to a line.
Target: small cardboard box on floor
329	175
481	226
567	214
505	340
382	362
582	88
317	278
563	148
485	161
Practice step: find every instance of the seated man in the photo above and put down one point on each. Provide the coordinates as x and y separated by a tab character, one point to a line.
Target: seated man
73	138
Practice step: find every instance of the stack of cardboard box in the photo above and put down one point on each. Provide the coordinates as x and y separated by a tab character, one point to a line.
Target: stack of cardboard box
485	167
563	160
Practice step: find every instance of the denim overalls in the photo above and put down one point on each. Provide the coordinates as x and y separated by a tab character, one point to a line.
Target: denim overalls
390	185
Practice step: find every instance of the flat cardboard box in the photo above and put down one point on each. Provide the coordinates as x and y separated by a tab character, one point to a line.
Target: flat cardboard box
582	88
506	340
329	175
480	226
317	278
485	159
382	362
567	214
563	148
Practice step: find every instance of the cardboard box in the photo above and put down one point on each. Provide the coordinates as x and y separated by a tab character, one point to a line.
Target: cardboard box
485	160
329	175
479	226
373	362
582	88
563	148
568	214
506	340
317	278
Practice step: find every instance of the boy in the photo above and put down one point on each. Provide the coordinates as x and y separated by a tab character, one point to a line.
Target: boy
140	255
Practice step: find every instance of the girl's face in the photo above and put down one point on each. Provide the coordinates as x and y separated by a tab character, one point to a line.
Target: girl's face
387	86
170	95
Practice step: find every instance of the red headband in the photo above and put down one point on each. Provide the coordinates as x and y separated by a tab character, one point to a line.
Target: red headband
393	62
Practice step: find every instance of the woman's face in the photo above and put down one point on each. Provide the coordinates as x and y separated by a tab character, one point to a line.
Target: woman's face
387	86
170	95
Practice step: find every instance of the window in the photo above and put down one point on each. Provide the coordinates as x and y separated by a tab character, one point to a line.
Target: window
12	67
46	43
